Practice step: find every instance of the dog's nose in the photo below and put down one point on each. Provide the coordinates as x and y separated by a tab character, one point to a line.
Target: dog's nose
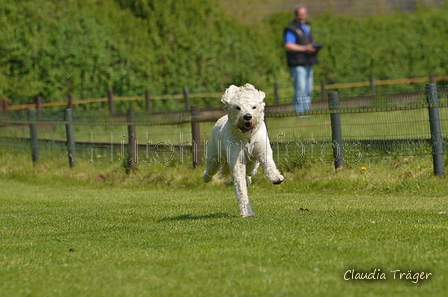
247	117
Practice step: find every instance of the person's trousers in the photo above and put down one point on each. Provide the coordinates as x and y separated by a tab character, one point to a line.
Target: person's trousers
302	77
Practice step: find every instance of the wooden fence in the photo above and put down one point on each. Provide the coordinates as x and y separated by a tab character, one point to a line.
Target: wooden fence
186	95
195	116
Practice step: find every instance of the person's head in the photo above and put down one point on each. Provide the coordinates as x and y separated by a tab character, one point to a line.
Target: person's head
301	13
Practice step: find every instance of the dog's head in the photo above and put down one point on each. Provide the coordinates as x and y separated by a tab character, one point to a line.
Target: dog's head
245	107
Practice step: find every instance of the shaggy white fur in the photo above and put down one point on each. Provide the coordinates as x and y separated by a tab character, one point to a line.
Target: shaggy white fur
240	142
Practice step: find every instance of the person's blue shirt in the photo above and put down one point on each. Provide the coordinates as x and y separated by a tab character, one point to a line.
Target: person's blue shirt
290	37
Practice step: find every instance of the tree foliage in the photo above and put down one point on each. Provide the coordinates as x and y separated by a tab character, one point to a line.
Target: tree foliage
52	48
87	47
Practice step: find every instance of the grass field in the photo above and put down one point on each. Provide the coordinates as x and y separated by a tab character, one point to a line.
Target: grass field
95	231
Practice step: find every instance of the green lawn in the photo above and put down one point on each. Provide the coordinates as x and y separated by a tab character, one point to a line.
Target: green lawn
72	238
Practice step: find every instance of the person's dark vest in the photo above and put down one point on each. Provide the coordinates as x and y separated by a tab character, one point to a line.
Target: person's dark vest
300	59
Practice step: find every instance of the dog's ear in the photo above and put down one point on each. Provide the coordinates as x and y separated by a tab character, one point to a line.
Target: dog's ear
228	94
261	96
248	87
225	100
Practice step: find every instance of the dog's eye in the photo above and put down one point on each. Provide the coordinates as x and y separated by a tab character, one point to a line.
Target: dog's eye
254	107
238	108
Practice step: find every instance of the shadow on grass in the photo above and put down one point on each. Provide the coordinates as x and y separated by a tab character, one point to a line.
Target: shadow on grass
189	217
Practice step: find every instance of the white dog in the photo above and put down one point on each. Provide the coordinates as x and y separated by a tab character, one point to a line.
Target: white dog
239	143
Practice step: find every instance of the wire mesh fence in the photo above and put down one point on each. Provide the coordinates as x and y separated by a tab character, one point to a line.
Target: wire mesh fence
372	125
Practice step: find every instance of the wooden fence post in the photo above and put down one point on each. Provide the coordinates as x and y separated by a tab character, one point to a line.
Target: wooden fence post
436	130
33	136
323	87
132	142
196	136
187	98
110	96
373	84
431	77
70	101
148	100
5	106
336	133
276	95
71	149
38	101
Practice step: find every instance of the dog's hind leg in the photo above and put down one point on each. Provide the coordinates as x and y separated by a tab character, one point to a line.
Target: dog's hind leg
240	187
213	163
251	170
210	170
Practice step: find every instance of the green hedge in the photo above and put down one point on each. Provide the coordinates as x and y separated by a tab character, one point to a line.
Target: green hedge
52	48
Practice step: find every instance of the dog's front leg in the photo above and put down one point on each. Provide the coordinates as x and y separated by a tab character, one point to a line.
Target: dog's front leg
271	171
240	186
264	155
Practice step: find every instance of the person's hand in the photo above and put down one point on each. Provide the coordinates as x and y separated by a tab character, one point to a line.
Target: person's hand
296	48
310	49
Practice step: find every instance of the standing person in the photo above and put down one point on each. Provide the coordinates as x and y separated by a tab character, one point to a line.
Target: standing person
301	56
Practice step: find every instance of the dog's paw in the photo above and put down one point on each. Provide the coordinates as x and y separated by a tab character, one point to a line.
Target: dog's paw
206	178
248	215
246	211
278	180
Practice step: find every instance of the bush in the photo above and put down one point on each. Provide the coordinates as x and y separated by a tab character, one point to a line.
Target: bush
52	48
387	47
